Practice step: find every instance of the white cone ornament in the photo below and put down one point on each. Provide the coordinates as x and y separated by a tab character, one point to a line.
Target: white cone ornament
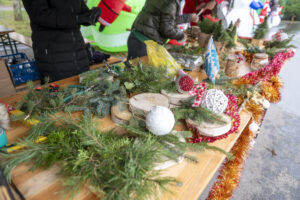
184	82
215	101
253	127
4	117
160	120
266	104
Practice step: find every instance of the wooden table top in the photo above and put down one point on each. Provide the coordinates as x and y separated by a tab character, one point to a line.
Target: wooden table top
44	184
5	30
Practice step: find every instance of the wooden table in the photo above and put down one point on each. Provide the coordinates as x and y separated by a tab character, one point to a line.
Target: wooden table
43	184
5	39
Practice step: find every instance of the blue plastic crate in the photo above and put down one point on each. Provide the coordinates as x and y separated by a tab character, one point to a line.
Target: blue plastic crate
16	56
22	72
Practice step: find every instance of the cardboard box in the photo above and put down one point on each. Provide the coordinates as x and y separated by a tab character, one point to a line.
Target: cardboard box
7	87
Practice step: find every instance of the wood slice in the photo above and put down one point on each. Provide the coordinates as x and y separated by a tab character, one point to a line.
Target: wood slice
211	130
168	163
176	98
120	116
141	104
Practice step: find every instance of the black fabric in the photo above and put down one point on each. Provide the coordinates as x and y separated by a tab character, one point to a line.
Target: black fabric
58	45
159	19
136	48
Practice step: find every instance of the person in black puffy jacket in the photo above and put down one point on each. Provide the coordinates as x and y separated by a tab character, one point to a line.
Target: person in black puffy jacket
157	21
58	45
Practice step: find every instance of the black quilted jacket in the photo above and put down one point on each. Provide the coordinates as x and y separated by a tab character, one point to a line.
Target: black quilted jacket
159	19
58	45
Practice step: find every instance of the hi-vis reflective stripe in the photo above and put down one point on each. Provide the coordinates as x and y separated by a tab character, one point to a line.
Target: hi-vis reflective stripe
110	40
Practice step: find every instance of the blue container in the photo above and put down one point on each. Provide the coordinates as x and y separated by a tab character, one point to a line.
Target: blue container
24	71
3	138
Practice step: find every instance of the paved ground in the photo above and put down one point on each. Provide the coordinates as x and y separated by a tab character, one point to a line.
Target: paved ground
267	177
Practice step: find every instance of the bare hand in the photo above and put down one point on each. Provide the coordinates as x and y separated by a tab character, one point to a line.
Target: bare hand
210	5
200	6
183	39
195	18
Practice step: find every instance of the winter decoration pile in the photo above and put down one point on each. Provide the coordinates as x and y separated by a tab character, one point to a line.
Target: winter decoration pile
184	82
160	120
4	117
215	101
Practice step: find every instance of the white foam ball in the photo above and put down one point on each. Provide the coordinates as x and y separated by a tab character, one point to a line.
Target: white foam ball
266	104
160	120
253	127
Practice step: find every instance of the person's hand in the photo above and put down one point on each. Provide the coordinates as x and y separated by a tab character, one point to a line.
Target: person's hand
200	6
183	39
210	5
195	18
89	18
95	14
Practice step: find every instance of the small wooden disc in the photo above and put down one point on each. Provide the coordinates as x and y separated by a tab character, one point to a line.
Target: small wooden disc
212	130
118	116
176	98
141	104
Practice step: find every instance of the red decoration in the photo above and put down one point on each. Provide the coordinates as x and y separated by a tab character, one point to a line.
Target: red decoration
211	18
198	91
266	73
111	10
185	83
8	107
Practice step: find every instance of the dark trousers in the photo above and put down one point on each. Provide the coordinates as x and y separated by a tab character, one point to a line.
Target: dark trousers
136	48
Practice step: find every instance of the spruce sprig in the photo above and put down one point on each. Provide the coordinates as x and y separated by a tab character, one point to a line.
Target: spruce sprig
142	78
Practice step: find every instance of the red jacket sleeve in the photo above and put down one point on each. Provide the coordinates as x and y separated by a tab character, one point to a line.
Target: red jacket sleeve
219	1
126	8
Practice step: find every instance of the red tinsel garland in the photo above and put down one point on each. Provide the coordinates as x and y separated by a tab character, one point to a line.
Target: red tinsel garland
266	73
232	111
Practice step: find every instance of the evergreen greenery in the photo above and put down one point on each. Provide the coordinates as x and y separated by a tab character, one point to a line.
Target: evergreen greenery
262	30
141	78
96	94
207	26
187	50
229	88
285	44
197	114
225	36
118	166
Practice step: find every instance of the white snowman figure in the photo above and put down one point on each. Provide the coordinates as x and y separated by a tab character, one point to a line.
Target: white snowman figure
248	18
275	19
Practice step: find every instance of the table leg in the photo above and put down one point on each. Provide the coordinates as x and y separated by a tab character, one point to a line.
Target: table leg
3	43
10	44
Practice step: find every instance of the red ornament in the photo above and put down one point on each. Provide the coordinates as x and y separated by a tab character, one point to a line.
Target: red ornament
185	83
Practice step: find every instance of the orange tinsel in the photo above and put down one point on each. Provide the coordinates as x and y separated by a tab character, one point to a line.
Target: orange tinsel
230	173
270	92
256	110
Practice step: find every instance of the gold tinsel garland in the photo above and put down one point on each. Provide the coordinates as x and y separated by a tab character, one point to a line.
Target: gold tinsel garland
271	89
228	179
256	110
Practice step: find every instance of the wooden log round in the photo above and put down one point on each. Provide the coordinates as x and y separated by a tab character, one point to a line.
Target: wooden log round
176	98
209	129
120	116
141	104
